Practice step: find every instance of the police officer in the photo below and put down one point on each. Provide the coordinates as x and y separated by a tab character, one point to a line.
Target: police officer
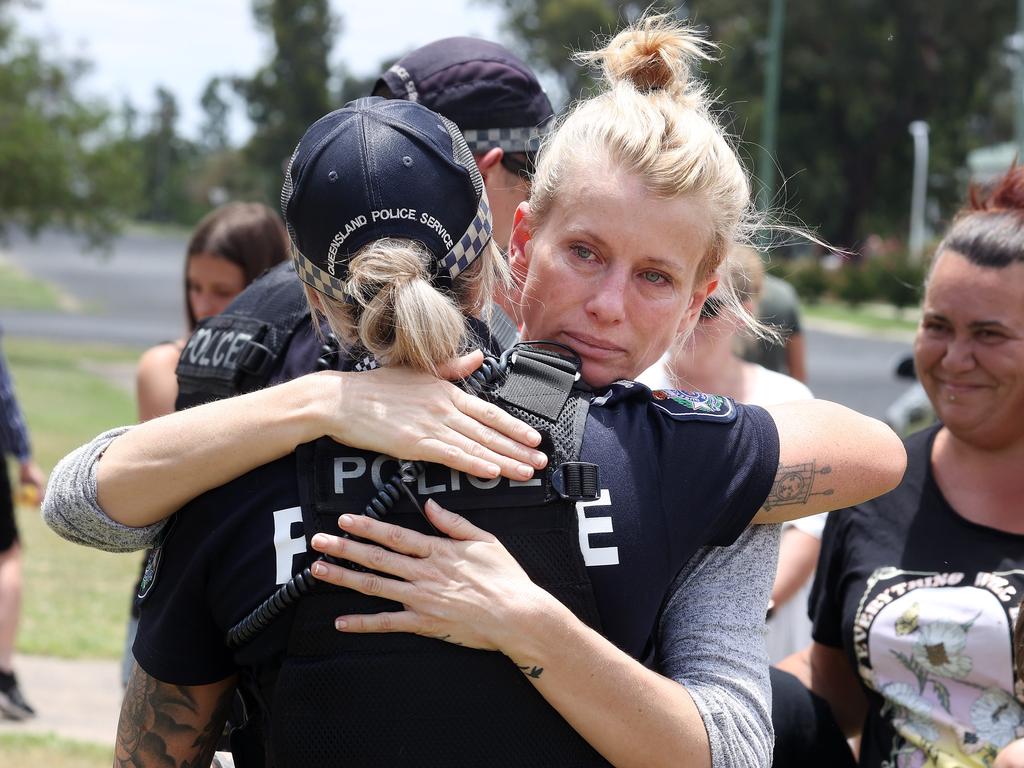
495	99
392	256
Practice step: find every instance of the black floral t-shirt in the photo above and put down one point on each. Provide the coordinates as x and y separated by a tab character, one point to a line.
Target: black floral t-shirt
923	602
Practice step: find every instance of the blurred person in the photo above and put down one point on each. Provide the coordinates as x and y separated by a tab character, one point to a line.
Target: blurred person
620	307
14	441
229	248
779	308
707	361
915	592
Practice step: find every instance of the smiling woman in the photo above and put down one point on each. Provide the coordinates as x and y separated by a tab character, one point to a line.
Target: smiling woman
919	587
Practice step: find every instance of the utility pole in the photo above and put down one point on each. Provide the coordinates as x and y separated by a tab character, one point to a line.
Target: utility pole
919	130
1018	80
769	121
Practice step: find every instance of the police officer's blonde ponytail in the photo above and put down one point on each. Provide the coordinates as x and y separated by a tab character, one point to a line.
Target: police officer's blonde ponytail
397	313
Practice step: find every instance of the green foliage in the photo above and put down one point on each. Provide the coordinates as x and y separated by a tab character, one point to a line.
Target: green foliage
809	280
899	280
854	75
855	283
76	598
285	96
58	157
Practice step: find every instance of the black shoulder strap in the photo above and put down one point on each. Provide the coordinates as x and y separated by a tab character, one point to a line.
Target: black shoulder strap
238	350
541	390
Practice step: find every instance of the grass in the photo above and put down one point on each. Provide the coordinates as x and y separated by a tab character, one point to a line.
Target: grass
24	750
19	291
76	599
873	317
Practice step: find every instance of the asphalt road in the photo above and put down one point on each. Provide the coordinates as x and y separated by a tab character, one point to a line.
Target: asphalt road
134	296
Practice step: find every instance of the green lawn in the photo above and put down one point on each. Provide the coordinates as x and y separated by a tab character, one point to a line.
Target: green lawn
76	599
22	750
20	291
875	317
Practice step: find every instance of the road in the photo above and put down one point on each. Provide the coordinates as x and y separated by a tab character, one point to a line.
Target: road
134	296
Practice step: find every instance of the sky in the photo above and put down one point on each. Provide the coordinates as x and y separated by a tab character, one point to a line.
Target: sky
136	45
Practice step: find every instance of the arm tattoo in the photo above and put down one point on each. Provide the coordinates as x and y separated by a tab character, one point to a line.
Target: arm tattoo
164	725
795	484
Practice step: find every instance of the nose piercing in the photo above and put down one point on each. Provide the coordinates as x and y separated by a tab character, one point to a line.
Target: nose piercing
952	398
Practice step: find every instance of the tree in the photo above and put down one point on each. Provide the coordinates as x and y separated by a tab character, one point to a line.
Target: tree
291	91
60	157
214	130
855	74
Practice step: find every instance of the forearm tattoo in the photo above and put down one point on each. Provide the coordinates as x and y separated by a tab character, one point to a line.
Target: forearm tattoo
796	483
163	725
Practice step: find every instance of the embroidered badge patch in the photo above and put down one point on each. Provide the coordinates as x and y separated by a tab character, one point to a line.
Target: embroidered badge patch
153	560
681	404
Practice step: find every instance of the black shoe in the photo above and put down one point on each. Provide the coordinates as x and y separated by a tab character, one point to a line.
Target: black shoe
12	704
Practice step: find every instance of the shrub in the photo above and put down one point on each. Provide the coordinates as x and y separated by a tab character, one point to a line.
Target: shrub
809	279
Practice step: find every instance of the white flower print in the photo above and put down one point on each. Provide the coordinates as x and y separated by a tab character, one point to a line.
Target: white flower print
997	717
939	649
912	712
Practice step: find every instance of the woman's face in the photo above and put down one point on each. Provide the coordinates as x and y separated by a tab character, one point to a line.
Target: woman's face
211	283
611	272
969	351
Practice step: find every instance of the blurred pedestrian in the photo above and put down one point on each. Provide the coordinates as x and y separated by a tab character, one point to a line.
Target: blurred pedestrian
229	248
14	441
232	246
915	593
779	308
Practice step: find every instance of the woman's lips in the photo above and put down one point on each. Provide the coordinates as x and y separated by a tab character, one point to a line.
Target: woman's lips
588	346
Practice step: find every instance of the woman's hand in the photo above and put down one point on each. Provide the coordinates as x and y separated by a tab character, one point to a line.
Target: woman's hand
1011	756
412	415
466	589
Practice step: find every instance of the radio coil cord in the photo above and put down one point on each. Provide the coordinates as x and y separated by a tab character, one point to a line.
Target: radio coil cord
481	383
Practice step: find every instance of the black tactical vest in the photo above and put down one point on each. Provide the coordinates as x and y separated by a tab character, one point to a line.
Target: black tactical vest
240	349
405	700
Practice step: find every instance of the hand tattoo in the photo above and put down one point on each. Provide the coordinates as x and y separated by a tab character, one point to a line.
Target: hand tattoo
530	671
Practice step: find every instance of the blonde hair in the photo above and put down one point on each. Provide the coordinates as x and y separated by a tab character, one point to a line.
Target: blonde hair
397	312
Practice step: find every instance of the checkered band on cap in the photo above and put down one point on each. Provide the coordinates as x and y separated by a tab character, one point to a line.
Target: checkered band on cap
322	282
470	245
478	234
526	139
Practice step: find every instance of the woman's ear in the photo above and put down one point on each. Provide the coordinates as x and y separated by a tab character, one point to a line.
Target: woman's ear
518	250
489	161
700	294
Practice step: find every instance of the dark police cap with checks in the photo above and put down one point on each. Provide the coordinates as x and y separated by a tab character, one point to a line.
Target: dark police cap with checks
382	168
481	86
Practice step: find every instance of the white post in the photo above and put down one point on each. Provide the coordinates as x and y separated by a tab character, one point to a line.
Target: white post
919	130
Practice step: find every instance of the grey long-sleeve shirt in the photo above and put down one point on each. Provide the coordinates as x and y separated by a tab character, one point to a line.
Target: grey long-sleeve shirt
710	636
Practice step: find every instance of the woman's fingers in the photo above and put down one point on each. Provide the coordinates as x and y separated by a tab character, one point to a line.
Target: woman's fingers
490	415
370	555
372	584
455	526
398	621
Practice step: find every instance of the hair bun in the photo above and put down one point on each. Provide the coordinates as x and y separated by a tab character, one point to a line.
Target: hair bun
655	54
1007	194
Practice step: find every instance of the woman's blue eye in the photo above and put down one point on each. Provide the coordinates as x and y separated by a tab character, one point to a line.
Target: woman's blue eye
582	252
654	277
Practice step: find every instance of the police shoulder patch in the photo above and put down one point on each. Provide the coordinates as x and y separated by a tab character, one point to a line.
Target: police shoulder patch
682	405
153	560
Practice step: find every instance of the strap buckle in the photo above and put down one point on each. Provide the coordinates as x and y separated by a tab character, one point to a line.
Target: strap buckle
577	481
